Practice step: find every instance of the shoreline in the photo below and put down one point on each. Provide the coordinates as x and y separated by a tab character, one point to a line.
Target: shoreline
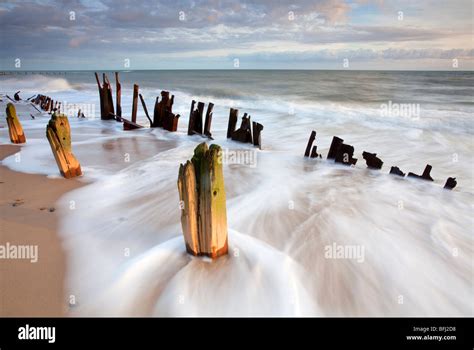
28	216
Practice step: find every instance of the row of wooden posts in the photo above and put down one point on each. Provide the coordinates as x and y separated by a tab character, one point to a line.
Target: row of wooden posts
163	116
200	180
58	133
344	154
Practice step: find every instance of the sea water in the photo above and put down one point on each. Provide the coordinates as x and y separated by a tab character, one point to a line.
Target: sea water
122	232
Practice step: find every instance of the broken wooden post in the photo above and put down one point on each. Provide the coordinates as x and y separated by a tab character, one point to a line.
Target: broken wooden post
233	117
105	97
426	174
118	97
341	152
208	120
145	109
14	126
248	132
450	183
162	108
256	130
312	151
244	133
195	118
170	121
203	202
310	143
372	160
58	133
108	99
101	96
132	124
396	171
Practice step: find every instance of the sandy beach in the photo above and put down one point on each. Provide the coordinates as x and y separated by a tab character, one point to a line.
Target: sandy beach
28	216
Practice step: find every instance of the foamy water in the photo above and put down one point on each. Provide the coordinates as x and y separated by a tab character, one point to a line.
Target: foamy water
122	231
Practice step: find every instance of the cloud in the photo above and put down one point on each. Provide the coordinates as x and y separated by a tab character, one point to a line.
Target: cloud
362	29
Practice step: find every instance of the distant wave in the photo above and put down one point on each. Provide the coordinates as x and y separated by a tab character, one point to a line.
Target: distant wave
36	84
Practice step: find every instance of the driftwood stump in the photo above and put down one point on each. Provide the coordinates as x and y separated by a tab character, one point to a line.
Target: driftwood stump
14	126
58	133
203	200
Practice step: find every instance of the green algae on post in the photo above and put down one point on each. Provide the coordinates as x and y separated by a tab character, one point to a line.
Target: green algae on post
203	202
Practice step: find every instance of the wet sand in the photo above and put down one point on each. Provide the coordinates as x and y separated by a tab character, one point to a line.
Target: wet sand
28	216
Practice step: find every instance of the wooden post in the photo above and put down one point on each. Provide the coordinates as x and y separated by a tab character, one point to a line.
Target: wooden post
188	195
372	160
233	117
335	144
396	171
340	152
110	112
257	129
135	103
118	96
101	96
426	174
198	118
156	113
450	183
310	143
244	133
201	182
14	126
58	133
191	119
145	109
208	121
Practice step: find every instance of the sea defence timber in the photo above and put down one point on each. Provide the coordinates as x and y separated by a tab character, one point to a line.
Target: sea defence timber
14	126
58	133
248	132
343	153
203	203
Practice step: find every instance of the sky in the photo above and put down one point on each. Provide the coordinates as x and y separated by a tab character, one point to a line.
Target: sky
214	34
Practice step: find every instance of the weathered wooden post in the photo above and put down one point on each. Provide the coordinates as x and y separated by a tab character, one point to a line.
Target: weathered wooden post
341	152
131	125
372	160
135	103
310	143
118	97
244	133
58	133
203	202
105	96
145	109
425	176
233	117
163	115
14	126
396	171
195	118
450	183
208	120
256	130
101	96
